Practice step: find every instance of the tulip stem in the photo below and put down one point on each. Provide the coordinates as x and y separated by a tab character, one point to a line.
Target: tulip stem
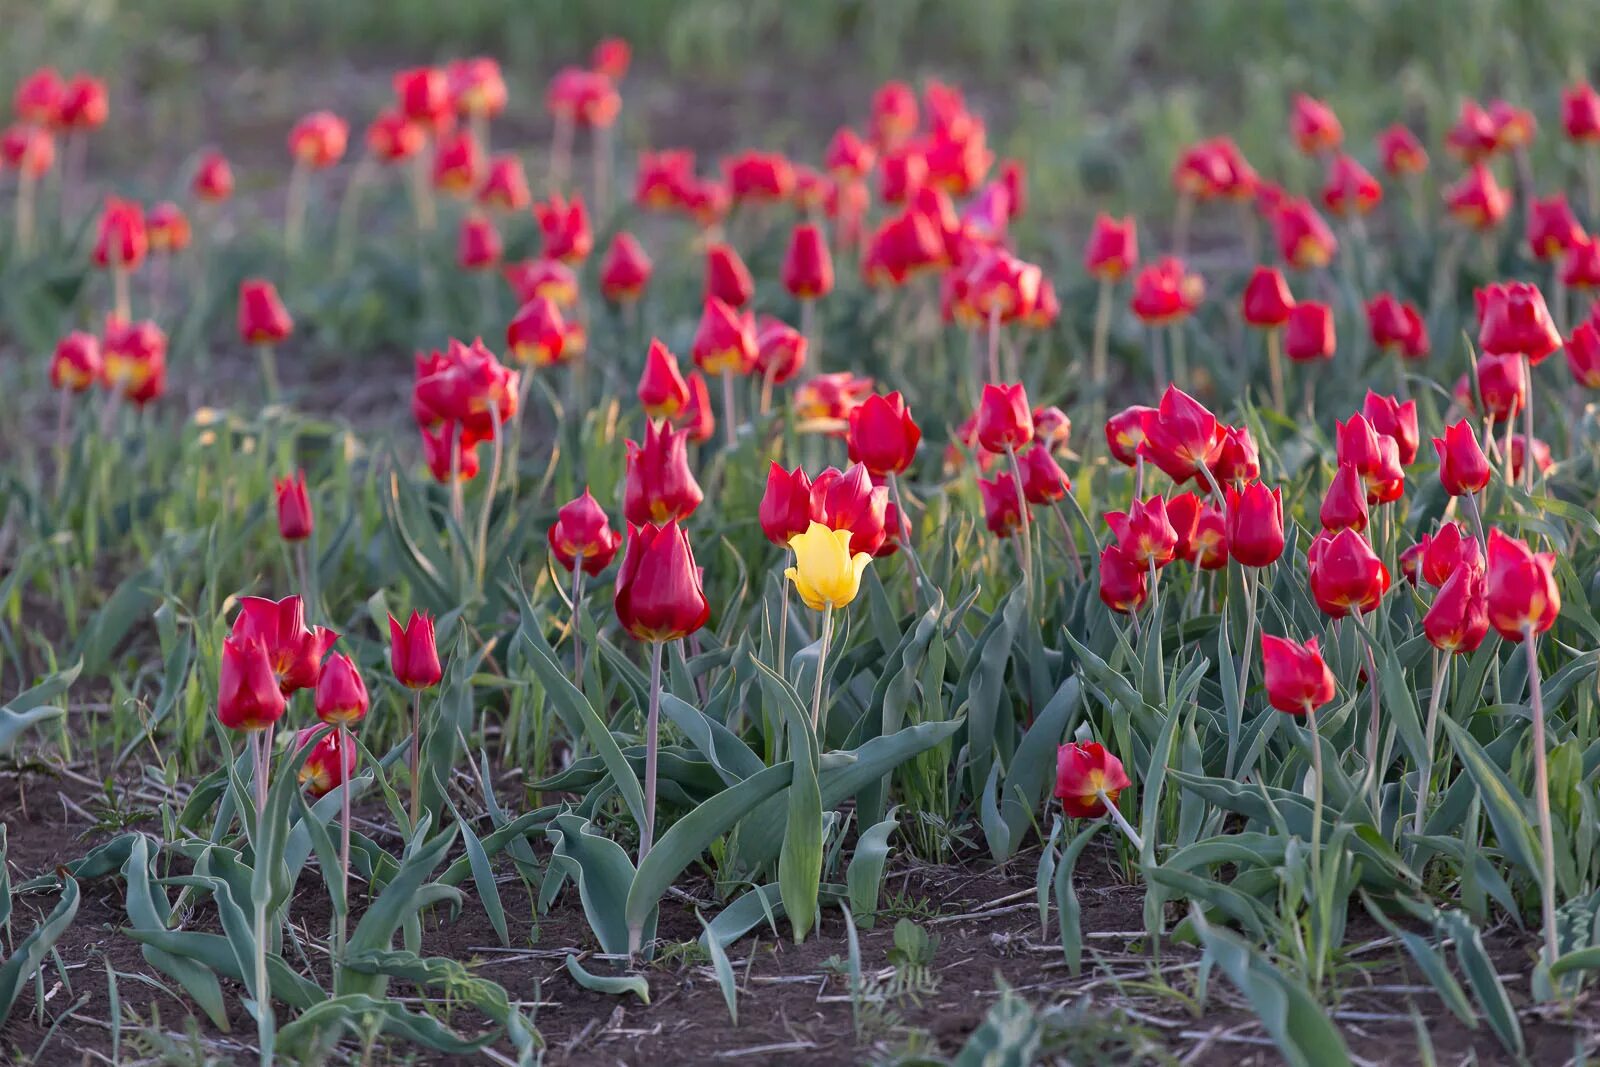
1250	589
1122	823
294	211
577	640
421	193
808	330
600	146
1275	367
1318	897
652	729
766	389
1476	516
994	344
1180	358
1072	542
1541	798
905	528
269	371
1425	771
345	741
63	445
303	565
415	758
822	670
1528	462
1374	723
730	432
25	191
481	559
1027	526
1098	353
560	152
1591	182
349	212
121	305
782	665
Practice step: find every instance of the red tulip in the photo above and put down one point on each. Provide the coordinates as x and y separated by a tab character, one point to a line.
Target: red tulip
697	420
122	241
848	157
662	390
1552	227
1124	584
1463	468
807	265
849	501
625	270
1208	547
318	140
1001	512
1314	126
883	436
1087	779
660	487
1297	679
1304	239
780	351
1043	480
1236	457
477	86
1255	524
1449	550
759	177
445	449
903	246
1396	327
1345	574
894	113
1513	319
585	98
1580	112
294	507
465	384
1502	385
1165	292
663	179
76	364
537	334
1144	533
1350	189
167	228
902	172
725	341
1522	590
658	595
1309	336
565	227
1477	201
1113	248
1514	127
413	654
1390	418
1344	505
134	356
1401	152
330	763
294	650
1005	420
478	245
785	505
341	697
1458	619
1051	427
1541	456
38	97
727	278
611	57
423	94
248	697
828	399
263	320
84	104
392	138
30	150
1473	137
1180	436
1580	267
505	187
1267	301
1125	433
1583	354
582	533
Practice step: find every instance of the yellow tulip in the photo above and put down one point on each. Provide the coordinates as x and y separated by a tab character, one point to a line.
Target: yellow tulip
825	574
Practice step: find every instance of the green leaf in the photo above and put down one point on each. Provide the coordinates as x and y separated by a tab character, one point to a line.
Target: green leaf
613	985
604	875
147	908
800	859
865	873
30	952
1505	805
722	967
1067	908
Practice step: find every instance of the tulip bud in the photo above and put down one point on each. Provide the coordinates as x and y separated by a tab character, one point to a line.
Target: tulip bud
1125	433
780	352
1087	779
1164	292
458	168
1113	248
1124	584
1309	334
1463	468
263	320
883	435
1345	574
413	655
697	420
478	245
537	335
625	270
1255	525
849	501
662	390
294	650
341	697
423	94
1144	533
825	572
725	341
759	177
1043	480
447	453
248	697
612	57
658	595
1005	421
1297	679
1350	189
1552	227
1180	435
1458	619
38	97
393	138
76	362
318	140
660	487
1396	327
1267	302
122	241
785	505
1523	598
1449	550
1314	126
294	507
477	87
1236	457
807	265
1401	152
1001	512
1514	321
582	532
1477	201
134	359
330	763
1304	239
1344	506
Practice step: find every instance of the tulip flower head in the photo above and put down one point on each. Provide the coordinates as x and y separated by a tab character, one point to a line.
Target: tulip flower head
612	57
1314	126
1113	248
76	363
697	420
1180	435
625	270
413	654
807	265
1477	201
1390	418
248	696
1448	550
1297	679
658	595
38	97
1309	335
318	140
662	390
167	228
1043	480
537	334
847	500
1345	574
725	341
1088	778
1255	524
727	278
478	244
122	240
1463	468
785	504
780	352
1124	583
1523	598
1396	327
134	359
1344	505
1144	534
1513	320
341	697
883	436
330	763
1552	227
583	534
30	150
294	650
1304	239
1458	619
393	138
476	87
263	320
1001	512
1165	292
1125	433
1401	152
848	157
1267	302
1005	420
84	105
825	573
448	453
759	177
659	487
294	507
1350	188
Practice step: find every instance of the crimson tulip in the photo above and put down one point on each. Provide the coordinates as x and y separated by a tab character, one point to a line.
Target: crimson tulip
1314	126
1144	534
1344	505
1267	301
477	87
1001	512
848	157
1125	433
727	278
1477	201
1297	678
658	596
697	420
294	650
248	697
413	653
660	487
1113	248
1552	227
1450	549
1255	524
1309	335
780	351
318	140
1180	435
328	765
1043	480
759	177
1401	152
662	390
1345	574
1088	778
849	501
1463	468
505	186
76	364
883	436
134	358
121	241
393	138
1005	421
341	697
807	265
263	320
1350	189
1124	584
1304	239
1513	320
1523	598
1580	112
785	504
448	453
582	536
294	507
725	341
1458	619
625	270
536	336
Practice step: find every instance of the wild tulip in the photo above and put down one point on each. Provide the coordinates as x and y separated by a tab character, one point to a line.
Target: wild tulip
1458	619
781	351
759	177
134	358
1303	237
1125	433
662	390
448	454
122	241
625	270
1541	456
807	265
1402	154
1580	267
1580	113
1345	574
1209	545
1390	418
393	138
727	278
1523	598
1502	386
1463	468
697	420
659	487
1350	189
1410	561
294	507
423	94
30	150
1515	321
1450	549
1255	525
785	504
1314	126
1052	428
466	384
84	104
263	320
1183	512
1002	513
902	172
76	365
341	697
848	157
1180	435
658	596
1124	584
825	573
477	88
724	342
1113	248
1144	534
413	653
459	165
1088	779
167	228
330	763
1043	480
1514	127
1396	327
505	185
849	501
1474	137
1014	179
583	99
1344	505
1552	227
894	113
1356	443
1005	421
1477	201
1267	302
1236	457
883	436
319	140
536	336
663	178
612	57
38	97
294	649
1165	292
582	536
1296	676
902	247
565	227
1309	335
478	244
248	696
825	402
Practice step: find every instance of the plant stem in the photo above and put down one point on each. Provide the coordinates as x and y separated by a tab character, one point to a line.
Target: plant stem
481	556
1316	842
345	741
600	146
415	758
269	371
905	543
1541	789
1425	771
808	330
1275	367
1122	823
1098	353
1374	724
577	639
121	305
652	728
994	344
294	211
1027	526
1528	463
1250	589
822	670
730	433
25	188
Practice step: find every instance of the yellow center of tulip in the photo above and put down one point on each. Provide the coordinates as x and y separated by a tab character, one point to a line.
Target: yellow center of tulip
825	574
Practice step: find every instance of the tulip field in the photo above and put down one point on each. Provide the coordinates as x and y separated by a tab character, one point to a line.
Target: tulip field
555	548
